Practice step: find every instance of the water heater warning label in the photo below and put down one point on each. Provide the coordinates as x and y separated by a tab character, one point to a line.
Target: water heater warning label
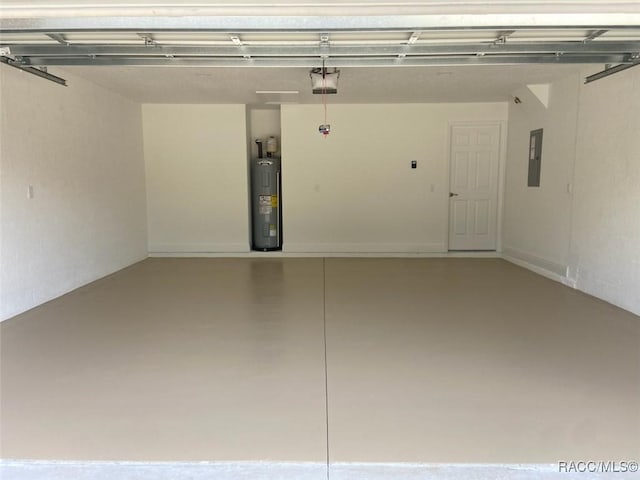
272	230
265	210
274	201
265	200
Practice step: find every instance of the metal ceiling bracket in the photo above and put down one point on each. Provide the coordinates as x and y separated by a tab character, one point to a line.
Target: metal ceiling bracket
148	39
58	38
33	71
610	71
324	46
235	39
593	35
503	36
413	38
411	41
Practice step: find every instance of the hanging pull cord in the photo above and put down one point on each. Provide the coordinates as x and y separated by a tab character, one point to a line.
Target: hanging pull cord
324	102
324	97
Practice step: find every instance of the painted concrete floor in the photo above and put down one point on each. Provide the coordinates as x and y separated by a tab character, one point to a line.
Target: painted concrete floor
421	361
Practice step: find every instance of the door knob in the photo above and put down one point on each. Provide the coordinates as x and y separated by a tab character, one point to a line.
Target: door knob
451	194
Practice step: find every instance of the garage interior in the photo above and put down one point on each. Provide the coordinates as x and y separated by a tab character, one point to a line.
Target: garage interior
454	290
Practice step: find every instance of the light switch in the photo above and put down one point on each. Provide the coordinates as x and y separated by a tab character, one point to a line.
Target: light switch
30	192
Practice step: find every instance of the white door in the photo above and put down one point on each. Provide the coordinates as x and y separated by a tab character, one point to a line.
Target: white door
473	197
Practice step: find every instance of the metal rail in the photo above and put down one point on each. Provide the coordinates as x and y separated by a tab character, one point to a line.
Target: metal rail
34	71
609	71
487	48
371	61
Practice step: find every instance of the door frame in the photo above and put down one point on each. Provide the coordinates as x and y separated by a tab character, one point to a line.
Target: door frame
502	160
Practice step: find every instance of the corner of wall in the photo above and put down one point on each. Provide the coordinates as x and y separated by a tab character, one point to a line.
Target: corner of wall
86	218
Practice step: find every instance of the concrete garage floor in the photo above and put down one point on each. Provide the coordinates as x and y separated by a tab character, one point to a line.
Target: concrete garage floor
345	360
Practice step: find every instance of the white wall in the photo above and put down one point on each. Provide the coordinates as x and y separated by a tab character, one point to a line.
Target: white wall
605	239
263	122
196	164
354	191
590	238
80	147
537	220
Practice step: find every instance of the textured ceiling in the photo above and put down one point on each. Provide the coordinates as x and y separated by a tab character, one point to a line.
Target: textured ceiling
356	85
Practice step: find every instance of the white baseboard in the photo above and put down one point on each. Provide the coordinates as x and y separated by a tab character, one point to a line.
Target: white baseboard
534	268
280	254
384	248
90	470
539	265
196	249
309	250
